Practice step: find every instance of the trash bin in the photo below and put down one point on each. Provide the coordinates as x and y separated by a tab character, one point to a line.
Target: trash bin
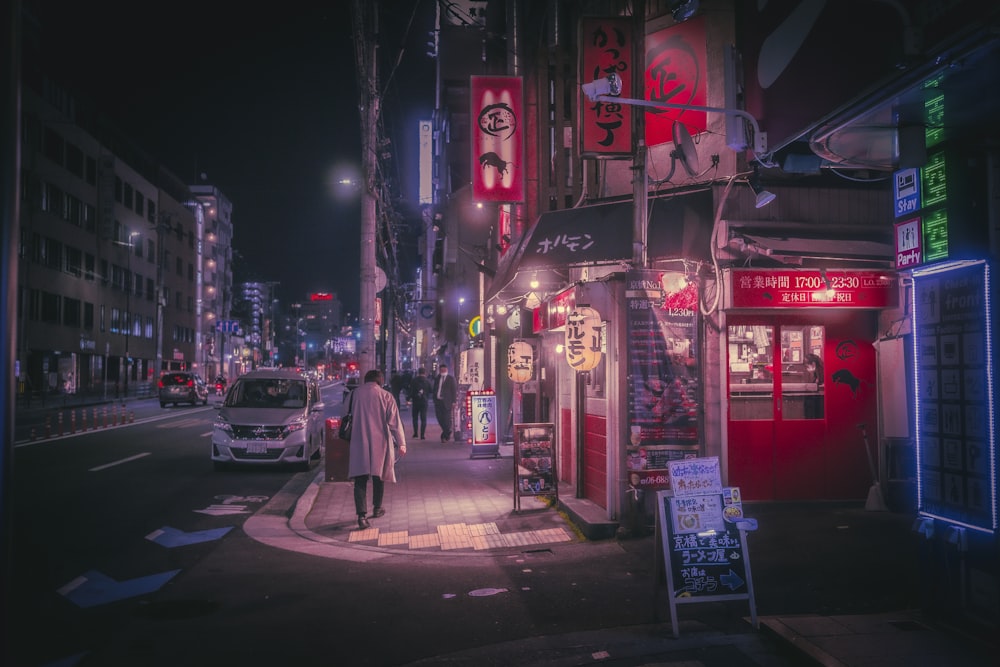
337	452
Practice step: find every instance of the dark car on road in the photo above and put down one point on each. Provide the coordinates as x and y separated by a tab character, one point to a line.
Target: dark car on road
182	387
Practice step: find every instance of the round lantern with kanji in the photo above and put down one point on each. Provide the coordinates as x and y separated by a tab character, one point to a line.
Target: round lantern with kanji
520	361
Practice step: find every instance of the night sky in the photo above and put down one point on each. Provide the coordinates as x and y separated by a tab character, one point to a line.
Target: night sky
264	103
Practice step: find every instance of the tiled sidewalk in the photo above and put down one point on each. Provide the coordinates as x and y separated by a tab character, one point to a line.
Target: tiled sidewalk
443	500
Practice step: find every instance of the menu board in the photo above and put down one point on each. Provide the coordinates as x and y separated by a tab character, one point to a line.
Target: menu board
534	461
956	450
704	547
664	396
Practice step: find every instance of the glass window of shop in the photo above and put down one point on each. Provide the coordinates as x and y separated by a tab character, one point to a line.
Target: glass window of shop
767	361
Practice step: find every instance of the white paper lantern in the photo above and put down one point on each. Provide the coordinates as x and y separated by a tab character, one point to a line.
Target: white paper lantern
520	361
583	338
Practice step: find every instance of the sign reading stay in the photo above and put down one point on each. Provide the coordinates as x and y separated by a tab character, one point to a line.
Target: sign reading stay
813	288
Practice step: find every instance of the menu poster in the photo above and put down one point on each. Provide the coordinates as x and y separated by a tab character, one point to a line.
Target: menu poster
663	391
534	460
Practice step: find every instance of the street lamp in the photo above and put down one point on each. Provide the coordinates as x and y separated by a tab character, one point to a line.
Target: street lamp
128	306
608	89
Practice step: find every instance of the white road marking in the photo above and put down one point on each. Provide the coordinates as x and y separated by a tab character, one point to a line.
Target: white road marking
119	462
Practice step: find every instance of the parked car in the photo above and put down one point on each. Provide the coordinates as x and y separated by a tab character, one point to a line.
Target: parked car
182	387
269	416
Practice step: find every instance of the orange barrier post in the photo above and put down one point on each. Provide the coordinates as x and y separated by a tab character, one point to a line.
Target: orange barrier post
48	426
131	416
123	414
72	421
95	417
83	420
105	416
60	421
32	433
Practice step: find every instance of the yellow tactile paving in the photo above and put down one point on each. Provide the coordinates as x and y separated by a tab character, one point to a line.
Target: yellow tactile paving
394	538
480	536
483	529
454	536
425	541
363	535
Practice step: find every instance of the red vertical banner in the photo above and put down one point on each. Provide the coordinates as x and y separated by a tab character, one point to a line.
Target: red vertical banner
497	139
676	72
606	48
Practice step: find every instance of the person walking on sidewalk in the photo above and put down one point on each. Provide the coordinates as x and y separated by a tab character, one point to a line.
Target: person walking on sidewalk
445	394
419	392
377	431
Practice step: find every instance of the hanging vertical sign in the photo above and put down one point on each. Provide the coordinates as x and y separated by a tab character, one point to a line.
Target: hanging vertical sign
497	139
676	72
606	48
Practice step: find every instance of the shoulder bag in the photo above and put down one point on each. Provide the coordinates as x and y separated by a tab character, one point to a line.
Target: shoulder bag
347	421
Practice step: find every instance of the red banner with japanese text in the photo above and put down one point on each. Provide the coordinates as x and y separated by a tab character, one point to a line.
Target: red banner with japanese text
814	288
606	48
676	72
497	108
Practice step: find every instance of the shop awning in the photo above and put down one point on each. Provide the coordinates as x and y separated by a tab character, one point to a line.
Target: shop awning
601	235
793	250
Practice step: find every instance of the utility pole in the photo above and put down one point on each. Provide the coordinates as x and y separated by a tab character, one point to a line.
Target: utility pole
365	33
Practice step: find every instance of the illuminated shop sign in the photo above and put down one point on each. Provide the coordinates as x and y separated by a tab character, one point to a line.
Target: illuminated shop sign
606	48
815	288
498	162
955	426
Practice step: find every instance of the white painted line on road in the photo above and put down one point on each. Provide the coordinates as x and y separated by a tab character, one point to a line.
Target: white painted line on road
206	433
119	462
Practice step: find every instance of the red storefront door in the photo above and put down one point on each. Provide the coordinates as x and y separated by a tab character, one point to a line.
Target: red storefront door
798	387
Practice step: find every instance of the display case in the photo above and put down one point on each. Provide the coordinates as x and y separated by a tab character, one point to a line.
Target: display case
534	461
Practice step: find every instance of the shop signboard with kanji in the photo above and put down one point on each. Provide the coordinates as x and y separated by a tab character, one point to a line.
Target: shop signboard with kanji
606	46
703	538
498	160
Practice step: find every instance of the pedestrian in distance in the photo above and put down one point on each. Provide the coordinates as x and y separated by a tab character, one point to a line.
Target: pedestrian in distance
396	385
419	392
445	394
377	434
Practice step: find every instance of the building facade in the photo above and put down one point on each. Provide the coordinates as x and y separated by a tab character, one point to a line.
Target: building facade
217	281
110	259
744	246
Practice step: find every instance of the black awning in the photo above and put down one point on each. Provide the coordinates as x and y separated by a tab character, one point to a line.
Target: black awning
599	235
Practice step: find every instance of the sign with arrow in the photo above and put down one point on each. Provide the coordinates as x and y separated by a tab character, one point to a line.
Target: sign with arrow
704	550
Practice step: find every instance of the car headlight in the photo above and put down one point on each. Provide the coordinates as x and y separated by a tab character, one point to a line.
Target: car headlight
224	426
293	426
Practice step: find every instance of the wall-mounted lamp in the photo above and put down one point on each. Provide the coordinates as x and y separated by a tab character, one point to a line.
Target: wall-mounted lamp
534	282
682	10
763	197
608	89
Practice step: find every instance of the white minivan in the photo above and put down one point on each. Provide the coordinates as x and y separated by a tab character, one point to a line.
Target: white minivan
270	416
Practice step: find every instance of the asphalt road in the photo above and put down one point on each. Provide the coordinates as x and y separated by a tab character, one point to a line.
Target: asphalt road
99	516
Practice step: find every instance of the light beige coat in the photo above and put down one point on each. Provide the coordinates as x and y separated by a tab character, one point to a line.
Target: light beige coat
376	432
